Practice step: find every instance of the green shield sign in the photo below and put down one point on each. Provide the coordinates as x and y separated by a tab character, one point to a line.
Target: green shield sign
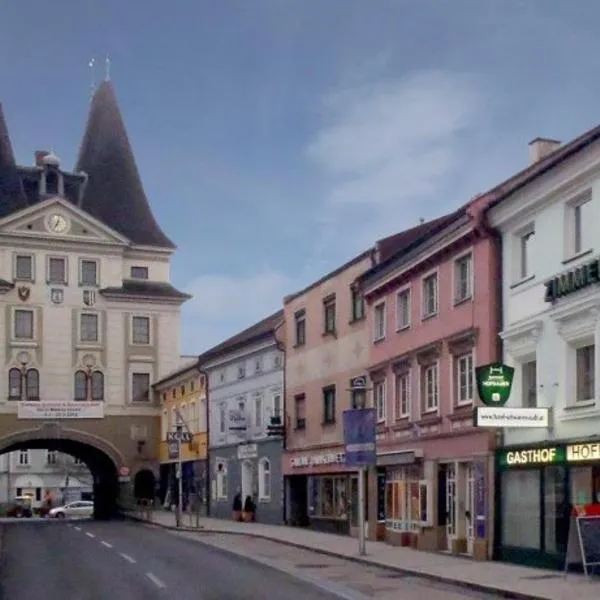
494	382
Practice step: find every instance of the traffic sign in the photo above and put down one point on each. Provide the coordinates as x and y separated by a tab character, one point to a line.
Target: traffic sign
179	436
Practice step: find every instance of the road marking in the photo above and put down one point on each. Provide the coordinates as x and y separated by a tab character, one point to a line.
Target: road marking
106	544
78	528
128	558
155	580
90	534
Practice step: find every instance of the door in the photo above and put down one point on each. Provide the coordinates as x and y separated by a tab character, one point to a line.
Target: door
247	480
450	504
470	506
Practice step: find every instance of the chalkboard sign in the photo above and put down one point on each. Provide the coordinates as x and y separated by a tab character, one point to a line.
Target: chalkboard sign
381	495
583	546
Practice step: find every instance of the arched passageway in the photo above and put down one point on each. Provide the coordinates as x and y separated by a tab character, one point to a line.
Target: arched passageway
102	466
144	485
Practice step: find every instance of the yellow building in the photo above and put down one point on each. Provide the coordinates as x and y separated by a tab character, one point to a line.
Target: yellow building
183	403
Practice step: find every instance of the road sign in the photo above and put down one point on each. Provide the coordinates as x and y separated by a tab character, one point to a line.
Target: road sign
179	436
359	437
358	383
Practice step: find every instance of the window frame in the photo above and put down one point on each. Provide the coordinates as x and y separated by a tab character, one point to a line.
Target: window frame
132	319
574	225
142	269
132	377
82	262
33	312
329	315
329	393
31	257
522	270
425	370
380	399
457	360
405	292
379	333
300	326
399	413
300	421
264	470
578	348
65	261
98	316
357	305
433	275
469	256
526	389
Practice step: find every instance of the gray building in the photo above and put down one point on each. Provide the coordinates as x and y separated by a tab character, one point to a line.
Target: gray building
245	391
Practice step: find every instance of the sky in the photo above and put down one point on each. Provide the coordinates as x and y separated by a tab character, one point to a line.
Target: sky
277	139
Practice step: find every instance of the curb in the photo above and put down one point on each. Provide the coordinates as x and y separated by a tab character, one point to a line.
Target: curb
477	587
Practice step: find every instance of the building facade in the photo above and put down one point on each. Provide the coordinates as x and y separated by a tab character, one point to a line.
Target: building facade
245	378
42	474
88	313
183	404
326	348
546	216
432	317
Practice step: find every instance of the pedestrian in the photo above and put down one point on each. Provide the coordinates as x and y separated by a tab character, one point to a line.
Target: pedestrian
237	505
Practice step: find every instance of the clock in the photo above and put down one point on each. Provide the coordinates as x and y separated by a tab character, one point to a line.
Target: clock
57	223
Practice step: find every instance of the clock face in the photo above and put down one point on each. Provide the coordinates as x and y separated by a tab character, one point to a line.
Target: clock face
57	223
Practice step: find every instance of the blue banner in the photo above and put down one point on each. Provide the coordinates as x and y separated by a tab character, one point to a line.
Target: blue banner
359	437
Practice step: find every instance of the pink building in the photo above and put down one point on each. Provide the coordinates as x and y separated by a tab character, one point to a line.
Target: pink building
432	317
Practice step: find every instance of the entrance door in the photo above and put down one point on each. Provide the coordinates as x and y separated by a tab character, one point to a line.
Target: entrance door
247	480
451	504
470	506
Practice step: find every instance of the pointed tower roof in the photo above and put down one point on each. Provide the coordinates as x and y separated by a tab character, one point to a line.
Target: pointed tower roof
12	197
114	193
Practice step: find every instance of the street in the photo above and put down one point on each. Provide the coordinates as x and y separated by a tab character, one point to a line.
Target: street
122	560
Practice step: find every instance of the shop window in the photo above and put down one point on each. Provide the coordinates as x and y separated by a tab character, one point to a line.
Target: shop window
264	480
521	509
555	501
406	495
330	497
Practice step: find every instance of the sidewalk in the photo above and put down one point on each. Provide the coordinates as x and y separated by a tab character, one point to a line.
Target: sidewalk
512	581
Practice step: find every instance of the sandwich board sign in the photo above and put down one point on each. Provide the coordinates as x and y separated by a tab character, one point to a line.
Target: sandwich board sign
583	543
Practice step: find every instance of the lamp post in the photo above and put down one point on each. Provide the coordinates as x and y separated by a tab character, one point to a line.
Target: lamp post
89	362
23	358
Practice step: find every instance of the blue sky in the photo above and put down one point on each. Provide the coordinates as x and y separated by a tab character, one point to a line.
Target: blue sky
278	138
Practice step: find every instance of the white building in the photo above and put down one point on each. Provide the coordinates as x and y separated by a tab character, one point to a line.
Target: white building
245	383
547	216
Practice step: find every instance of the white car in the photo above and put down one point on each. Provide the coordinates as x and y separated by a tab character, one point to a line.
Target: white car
80	508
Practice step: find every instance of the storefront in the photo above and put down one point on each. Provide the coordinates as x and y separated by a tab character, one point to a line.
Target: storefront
322	493
538	487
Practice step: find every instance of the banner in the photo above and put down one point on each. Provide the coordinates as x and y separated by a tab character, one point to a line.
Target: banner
60	410
359	436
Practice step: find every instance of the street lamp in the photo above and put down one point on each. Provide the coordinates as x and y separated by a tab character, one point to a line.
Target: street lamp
23	358
89	362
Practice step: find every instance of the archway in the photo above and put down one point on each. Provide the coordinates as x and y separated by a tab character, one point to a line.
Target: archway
144	485
102	459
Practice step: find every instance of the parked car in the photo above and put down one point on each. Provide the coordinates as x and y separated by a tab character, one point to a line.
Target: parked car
80	508
21	507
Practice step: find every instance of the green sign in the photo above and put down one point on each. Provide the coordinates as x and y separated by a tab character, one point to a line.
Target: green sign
494	382
570	281
533	456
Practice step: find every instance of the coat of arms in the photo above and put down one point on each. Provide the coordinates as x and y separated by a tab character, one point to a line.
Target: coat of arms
89	297
57	295
24	293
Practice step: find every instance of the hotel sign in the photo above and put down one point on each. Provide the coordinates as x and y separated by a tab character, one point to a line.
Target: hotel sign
494	382
580	452
551	455
571	281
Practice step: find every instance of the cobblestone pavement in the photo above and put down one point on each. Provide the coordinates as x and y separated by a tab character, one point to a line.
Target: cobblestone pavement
372	582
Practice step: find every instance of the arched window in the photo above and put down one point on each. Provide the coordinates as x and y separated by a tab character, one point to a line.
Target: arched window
80	385
264	479
14	384
97	385
32	384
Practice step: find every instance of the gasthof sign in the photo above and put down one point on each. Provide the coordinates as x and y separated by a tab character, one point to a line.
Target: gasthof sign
494	382
551	455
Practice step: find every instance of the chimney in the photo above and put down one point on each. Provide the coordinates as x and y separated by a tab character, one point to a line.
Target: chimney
39	157
540	148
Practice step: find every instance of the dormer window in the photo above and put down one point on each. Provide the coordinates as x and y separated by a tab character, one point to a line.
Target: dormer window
139	272
51	182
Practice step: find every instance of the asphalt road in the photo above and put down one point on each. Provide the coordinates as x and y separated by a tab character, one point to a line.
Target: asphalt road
118	560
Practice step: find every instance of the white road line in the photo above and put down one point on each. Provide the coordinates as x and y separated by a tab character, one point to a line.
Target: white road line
90	534
128	558
78	528
106	544
155	580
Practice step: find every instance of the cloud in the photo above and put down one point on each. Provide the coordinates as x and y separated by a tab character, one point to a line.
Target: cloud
386	149
224	305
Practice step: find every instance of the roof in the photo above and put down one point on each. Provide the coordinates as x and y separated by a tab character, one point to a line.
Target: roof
144	288
12	197
254	333
191	364
114	193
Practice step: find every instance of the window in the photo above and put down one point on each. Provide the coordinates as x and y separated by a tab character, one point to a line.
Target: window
57	270
529	384
329	405
463	278
222	418
24	267
277	361
140	330
329	497
258	411
463	379
430	388
88	327
15	381
277	408
379	394
582	225
193	420
264	479
402	501
258	365
585	361
403	310
164	425
402	396
97	385
329	315
32	384
358	305
88	274
140	387
23	457
379	322
80	383
222	480
430	295
23	324
300	325
51	457
139	272
526	241
300	406
241	372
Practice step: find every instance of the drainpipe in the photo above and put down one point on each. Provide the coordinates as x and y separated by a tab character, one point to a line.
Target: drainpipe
280	346
207	469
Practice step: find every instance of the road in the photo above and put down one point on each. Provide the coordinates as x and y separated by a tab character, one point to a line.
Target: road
124	561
